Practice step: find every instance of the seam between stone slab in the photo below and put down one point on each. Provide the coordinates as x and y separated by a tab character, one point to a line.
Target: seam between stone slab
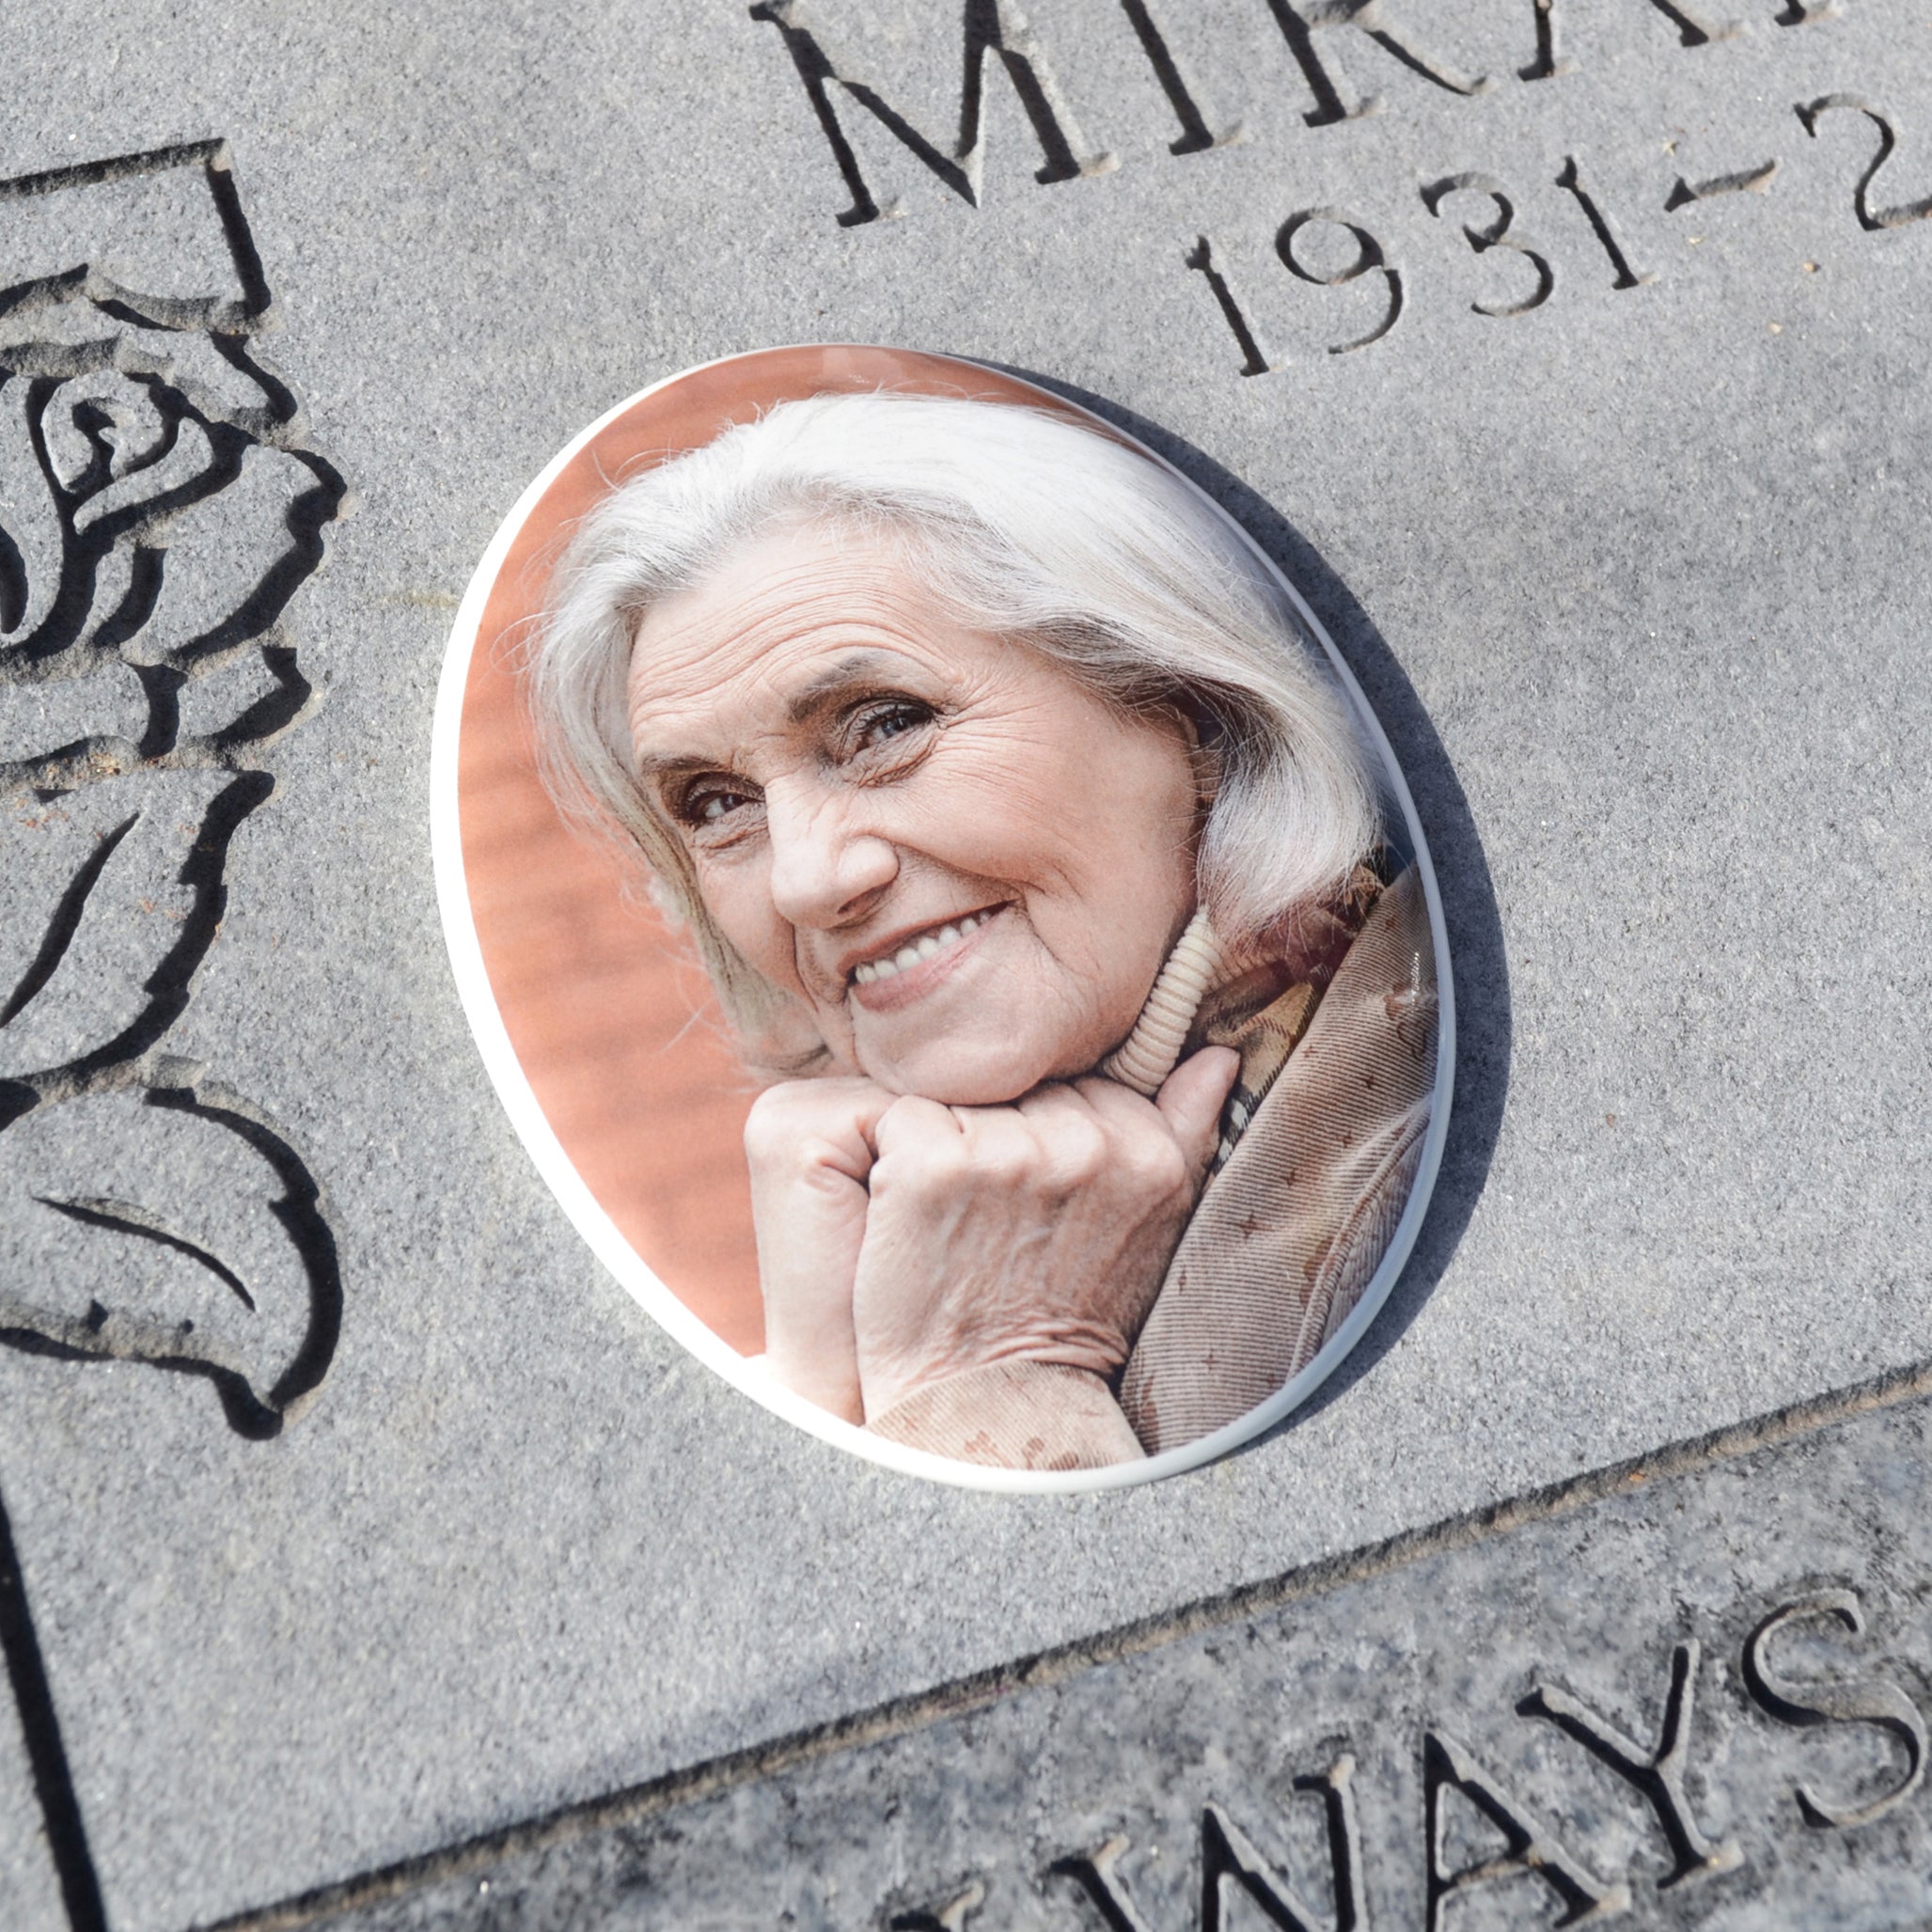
636	1803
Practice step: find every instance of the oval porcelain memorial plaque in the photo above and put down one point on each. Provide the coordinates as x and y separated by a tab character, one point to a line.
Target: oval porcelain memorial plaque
942	916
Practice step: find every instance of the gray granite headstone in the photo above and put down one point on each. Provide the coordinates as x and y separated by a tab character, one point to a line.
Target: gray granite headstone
366	1554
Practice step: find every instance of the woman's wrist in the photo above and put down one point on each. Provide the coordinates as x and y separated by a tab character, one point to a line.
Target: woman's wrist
806	1373
889	1378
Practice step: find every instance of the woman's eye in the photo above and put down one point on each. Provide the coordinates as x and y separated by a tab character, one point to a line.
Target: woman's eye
891	721
713	808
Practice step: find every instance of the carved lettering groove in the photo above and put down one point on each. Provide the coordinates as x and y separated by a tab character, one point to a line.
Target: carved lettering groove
1531	1848
1333	46
1314	33
1238	1883
992	26
1497	235
1598	219
1657	1775
1880	1704
1231	1864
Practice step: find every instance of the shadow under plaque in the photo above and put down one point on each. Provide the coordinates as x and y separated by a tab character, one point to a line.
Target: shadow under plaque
981	801
1483	1030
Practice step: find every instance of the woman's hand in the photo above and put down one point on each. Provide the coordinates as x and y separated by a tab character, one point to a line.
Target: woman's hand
1037	1231
811	1149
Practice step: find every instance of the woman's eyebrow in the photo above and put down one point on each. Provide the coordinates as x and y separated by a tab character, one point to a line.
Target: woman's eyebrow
860	668
855	668
648	766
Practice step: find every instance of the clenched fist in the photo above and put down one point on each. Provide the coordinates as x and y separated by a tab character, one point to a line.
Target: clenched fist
1039	1232
901	1241
810	1144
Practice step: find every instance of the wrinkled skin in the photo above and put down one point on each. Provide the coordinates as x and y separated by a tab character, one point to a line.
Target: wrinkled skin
864	784
901	1241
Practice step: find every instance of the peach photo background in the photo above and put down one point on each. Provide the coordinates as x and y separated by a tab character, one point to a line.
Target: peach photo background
609	1014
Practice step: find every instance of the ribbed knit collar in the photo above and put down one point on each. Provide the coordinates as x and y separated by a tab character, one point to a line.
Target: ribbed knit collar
1201	965
1194	968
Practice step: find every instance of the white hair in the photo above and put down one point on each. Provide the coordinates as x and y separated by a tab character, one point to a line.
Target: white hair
1024	524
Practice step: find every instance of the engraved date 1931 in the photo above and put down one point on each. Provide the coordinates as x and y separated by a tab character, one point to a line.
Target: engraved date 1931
1331	249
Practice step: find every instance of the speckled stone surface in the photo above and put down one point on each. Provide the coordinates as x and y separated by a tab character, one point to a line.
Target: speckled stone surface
32	1882
1635	579
1726	1608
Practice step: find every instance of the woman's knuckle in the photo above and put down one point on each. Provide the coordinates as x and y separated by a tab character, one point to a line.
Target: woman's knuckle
766	1132
917	1175
1155	1164
1083	1153
947	1162
1005	1167
771	1101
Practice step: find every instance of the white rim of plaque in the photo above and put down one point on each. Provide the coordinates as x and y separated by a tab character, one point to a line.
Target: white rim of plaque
630	1268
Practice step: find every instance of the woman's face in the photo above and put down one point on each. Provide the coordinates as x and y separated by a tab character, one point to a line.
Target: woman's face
966	866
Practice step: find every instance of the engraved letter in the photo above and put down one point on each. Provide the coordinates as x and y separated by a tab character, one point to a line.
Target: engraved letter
1659	1775
1228	1855
951	1917
1299	21
1869	1700
1624	277
1530	1847
1182	90
1256	360
1368	255
1741	180
1497	235
996	26
1550	59
1691	32
1094	1872
1870	218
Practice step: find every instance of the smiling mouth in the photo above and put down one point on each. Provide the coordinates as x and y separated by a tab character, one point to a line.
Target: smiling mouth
927	945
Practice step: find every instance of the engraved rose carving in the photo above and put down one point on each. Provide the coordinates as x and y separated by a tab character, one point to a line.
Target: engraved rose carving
158	511
160	507
173	1223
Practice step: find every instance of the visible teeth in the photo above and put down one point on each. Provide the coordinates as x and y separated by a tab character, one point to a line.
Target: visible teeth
925	948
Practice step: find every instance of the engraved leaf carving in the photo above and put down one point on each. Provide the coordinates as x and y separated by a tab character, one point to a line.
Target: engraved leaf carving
172	1223
160	507
111	903
155	520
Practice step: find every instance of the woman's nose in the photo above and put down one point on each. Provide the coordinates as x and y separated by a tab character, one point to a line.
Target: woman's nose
824	871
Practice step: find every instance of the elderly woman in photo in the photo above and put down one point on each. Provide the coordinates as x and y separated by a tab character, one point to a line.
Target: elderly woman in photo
1038	867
